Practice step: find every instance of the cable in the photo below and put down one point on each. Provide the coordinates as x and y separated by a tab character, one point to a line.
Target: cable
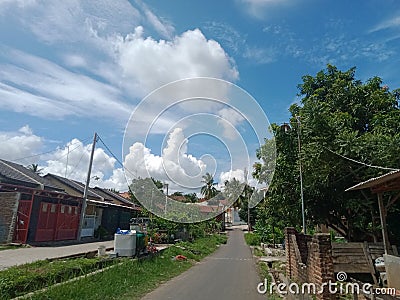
361	163
122	165
47	152
74	167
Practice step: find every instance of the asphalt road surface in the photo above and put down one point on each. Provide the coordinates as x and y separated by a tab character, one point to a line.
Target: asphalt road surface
229	273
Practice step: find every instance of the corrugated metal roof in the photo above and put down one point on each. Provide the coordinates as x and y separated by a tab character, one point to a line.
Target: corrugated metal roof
375	181
19	173
78	186
107	194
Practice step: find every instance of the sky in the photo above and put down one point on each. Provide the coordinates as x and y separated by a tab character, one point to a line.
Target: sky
119	68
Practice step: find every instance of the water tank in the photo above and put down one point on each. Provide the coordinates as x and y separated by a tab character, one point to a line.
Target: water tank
125	244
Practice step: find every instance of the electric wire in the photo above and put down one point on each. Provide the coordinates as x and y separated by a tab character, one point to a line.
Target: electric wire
47	152
361	163
113	155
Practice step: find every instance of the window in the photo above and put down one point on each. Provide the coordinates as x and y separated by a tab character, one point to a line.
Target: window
70	209
62	209
44	207
53	208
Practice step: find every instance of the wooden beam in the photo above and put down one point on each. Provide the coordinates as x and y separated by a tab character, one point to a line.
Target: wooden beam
382	214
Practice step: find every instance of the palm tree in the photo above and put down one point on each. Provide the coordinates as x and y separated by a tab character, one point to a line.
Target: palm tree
35	168
208	190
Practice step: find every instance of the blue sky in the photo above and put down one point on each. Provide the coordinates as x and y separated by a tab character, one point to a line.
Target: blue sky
70	68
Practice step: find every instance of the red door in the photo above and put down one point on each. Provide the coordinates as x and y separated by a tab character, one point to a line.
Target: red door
46	226
22	221
67	223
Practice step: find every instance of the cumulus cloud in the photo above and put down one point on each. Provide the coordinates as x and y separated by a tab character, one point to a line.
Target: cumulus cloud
20	144
175	166
147	63
110	61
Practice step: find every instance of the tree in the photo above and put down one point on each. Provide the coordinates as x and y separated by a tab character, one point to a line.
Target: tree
208	190
233	190
191	197
35	168
340	117
244	205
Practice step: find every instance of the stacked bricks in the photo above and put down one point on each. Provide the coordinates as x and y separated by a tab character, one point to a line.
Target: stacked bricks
8	213
309	260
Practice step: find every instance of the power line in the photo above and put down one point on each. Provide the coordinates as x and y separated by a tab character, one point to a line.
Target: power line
47	152
361	163
122	165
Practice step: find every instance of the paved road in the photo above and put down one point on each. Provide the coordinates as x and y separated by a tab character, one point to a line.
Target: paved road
21	256
230	273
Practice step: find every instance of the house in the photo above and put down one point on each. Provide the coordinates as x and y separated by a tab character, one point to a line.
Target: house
34	209
103	207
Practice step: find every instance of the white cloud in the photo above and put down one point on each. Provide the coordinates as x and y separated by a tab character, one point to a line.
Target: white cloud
387	24
148	64
257	8
260	55
104	60
180	169
17	145
165	29
72	161
39	87
238	174
230	119
69	161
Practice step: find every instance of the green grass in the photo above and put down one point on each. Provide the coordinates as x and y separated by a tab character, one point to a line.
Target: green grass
252	239
264	274
132	278
9	247
22	279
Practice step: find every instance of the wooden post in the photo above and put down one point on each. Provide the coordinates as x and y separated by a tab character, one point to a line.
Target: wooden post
382	214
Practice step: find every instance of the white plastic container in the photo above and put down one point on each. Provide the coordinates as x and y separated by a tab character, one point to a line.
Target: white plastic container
125	244
101	251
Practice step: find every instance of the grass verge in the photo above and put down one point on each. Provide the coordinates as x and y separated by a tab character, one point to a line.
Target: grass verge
22	279
134	278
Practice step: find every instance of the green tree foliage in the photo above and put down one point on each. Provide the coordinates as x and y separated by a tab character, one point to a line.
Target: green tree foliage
339	116
35	168
208	190
191	197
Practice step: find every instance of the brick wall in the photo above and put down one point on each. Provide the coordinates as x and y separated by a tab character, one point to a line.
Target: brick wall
309	260
8	214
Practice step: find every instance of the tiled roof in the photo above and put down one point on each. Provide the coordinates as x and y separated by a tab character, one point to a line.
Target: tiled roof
20	174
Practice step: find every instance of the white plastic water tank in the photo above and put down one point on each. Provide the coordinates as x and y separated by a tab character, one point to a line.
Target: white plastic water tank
125	244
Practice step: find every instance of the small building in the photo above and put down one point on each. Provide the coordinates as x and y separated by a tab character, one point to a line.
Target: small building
33	209
104	208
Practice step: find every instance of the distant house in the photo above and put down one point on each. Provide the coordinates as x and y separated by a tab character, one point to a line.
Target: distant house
33	208
104	208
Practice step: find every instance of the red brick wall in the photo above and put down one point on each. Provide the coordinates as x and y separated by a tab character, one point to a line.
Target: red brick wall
309	259
8	213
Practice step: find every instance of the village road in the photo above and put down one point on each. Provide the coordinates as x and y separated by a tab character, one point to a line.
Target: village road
229	273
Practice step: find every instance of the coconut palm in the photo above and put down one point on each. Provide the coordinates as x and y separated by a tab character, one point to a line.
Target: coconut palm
35	168
208	190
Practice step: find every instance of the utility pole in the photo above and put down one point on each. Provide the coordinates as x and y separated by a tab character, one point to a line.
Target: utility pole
83	208
301	177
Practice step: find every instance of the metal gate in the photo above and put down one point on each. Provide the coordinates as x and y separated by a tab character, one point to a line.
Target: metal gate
22	221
